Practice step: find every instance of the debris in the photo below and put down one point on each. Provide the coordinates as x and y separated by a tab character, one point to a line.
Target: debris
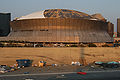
35	65
76	63
23	62
119	62
29	79
12	69
92	66
112	64
54	65
82	73
98	63
61	76
42	63
26	72
72	63
2	71
18	67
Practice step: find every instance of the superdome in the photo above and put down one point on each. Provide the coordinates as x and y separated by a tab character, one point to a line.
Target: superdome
62	13
60	25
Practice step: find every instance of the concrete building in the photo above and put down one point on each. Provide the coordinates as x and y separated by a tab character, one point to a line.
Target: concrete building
110	29
118	27
4	24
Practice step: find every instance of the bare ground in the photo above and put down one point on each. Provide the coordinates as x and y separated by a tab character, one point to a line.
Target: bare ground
59	55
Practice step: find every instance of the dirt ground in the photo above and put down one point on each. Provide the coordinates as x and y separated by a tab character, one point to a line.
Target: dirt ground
59	55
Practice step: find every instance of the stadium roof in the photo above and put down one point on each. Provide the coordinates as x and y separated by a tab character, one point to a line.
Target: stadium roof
34	15
61	13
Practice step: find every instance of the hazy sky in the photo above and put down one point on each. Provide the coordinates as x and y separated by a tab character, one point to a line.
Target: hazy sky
110	9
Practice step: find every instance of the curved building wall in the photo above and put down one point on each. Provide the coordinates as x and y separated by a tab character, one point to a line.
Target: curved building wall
59	30
59	24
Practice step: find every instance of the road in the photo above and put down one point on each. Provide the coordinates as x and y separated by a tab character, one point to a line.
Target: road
91	75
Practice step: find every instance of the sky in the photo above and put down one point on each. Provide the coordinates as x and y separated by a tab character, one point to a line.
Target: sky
108	8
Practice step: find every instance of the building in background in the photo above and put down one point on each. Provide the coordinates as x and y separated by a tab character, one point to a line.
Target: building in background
118	27
5	19
110	29
117	34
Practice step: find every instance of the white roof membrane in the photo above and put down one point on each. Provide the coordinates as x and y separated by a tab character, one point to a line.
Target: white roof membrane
35	15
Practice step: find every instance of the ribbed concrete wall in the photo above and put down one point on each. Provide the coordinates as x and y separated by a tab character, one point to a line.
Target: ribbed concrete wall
59	30
59	24
4	24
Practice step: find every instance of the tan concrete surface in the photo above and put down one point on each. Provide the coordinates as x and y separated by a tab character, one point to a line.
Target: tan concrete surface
59	55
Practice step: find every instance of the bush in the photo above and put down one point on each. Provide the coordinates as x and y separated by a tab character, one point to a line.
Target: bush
82	45
105	45
1	45
67	45
92	45
74	45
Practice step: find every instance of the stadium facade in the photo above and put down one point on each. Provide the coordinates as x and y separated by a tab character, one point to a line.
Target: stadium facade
60	25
